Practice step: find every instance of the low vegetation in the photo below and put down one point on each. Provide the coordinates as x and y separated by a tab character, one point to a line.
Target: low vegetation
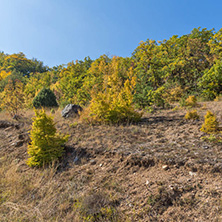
191	101
192	115
210	124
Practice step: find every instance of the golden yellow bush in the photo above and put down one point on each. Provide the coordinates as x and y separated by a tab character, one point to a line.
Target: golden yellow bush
191	101
210	124
192	115
175	94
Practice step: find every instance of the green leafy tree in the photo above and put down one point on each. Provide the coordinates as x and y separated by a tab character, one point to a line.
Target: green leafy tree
215	44
71	79
157	97
46	144
211	82
148	62
20	63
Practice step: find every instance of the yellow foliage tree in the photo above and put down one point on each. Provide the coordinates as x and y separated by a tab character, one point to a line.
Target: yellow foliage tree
113	104
12	98
4	74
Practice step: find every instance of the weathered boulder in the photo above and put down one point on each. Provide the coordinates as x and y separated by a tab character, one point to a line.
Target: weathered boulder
71	110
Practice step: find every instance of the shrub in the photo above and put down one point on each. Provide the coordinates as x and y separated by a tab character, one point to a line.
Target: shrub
210	123
157	97
182	102
175	94
52	111
218	98
191	101
46	144
212	138
96	207
45	98
109	109
192	115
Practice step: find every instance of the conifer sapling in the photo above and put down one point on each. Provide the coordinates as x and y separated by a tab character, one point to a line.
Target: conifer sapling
46	144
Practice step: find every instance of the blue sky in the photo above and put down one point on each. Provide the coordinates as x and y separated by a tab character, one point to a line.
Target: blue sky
59	31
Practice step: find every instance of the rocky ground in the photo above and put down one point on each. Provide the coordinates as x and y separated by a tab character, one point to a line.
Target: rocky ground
158	170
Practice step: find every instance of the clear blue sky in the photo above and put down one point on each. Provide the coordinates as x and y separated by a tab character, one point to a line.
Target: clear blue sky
59	31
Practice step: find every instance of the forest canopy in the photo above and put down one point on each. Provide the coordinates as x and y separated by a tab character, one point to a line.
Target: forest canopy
157	73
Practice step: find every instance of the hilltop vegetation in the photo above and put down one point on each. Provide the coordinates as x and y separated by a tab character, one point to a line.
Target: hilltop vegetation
156	74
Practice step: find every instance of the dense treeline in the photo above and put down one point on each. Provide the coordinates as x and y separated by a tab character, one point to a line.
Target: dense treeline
158	73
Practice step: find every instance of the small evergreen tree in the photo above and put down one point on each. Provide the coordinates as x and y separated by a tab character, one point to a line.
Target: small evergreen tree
46	144
45	98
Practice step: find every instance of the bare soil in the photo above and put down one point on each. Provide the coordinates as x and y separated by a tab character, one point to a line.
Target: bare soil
157	170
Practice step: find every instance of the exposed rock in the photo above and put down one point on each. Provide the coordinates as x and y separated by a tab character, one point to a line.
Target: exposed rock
92	162
192	173
76	159
71	110
165	167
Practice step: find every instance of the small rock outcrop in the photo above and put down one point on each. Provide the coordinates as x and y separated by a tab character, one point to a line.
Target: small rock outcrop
71	110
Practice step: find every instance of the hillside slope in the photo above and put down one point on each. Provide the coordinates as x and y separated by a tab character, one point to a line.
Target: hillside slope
157	170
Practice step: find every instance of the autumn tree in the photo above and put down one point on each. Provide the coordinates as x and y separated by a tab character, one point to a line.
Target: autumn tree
20	63
71	80
215	44
211	82
12	98
114	102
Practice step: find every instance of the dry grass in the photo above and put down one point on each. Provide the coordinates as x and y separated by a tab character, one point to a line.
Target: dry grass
118	170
